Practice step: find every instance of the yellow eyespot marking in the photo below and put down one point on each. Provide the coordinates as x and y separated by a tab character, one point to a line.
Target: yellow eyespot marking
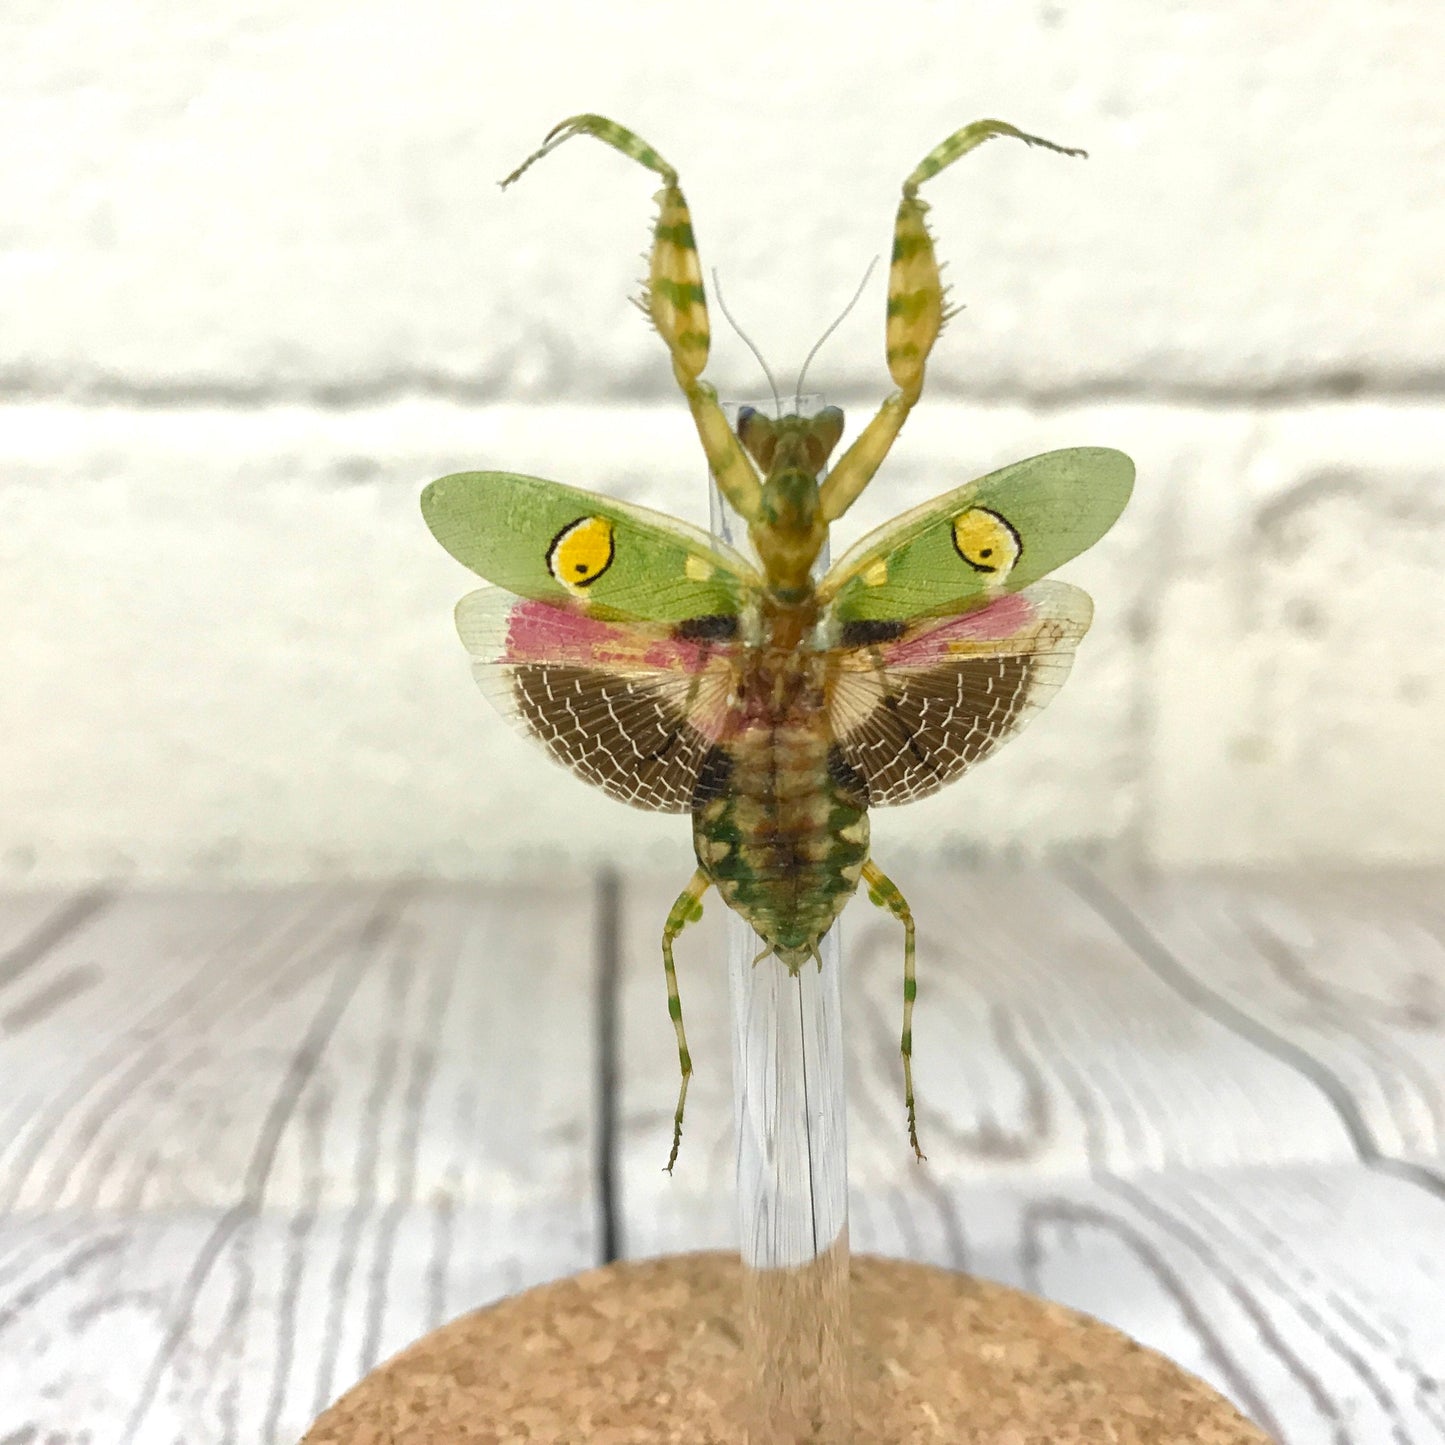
876	573
986	541
581	552
698	569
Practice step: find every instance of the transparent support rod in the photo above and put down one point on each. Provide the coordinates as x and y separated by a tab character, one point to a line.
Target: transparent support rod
792	1173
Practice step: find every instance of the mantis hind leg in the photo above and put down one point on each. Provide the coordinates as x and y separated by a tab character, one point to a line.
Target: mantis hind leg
686	910
884	892
675	300
916	313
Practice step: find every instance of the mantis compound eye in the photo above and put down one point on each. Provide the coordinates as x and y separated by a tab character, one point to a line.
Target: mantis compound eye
824	433
758	435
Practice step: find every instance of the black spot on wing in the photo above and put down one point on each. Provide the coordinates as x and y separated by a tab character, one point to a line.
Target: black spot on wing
714	627
846	778
870	631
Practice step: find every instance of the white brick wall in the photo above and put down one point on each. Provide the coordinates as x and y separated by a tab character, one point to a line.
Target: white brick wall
257	285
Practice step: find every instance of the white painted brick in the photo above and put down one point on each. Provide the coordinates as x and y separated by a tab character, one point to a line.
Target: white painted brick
226	644
1298	704
298	198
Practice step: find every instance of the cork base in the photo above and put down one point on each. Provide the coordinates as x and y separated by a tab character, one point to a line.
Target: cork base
634	1354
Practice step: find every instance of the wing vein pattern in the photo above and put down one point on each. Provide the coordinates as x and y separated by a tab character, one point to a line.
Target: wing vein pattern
632	708
912	714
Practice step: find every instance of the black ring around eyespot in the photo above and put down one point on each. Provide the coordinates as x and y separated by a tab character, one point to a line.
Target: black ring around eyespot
561	537
1003	522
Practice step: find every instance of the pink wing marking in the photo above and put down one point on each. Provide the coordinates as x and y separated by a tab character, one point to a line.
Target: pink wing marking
541	632
925	645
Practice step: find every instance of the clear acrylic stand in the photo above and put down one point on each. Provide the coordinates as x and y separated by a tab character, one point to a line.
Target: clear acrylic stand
792	1169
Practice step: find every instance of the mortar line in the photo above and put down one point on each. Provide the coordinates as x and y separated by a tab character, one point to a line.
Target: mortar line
106	392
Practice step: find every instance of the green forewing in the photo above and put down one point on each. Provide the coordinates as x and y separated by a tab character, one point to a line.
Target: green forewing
505	527
1055	505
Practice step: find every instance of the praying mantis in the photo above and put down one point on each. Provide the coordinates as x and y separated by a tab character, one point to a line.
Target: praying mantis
774	707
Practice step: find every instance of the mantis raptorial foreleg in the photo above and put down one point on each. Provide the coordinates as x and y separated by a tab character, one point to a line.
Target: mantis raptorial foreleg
676	301
916	314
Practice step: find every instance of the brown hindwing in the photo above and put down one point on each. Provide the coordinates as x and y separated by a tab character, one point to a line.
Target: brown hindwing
914	708
629	737
932	725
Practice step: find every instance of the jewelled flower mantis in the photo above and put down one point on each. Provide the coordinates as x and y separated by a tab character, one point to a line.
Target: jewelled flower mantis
677	676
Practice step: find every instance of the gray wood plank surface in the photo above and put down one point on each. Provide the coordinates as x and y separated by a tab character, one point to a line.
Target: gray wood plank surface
1346	971
269	1138
1043	1042
1095	1135
1312	1295
252	1143
240	1326
31	924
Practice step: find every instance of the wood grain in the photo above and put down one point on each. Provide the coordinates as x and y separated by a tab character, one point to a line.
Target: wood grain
250	1143
1311	1296
277	1136
1347	971
1044	1045
1096	1135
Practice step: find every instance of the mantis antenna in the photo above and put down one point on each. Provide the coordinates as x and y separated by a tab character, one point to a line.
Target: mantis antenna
747	341
818	344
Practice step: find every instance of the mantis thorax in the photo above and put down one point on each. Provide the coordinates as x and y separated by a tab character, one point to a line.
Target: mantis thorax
789	528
